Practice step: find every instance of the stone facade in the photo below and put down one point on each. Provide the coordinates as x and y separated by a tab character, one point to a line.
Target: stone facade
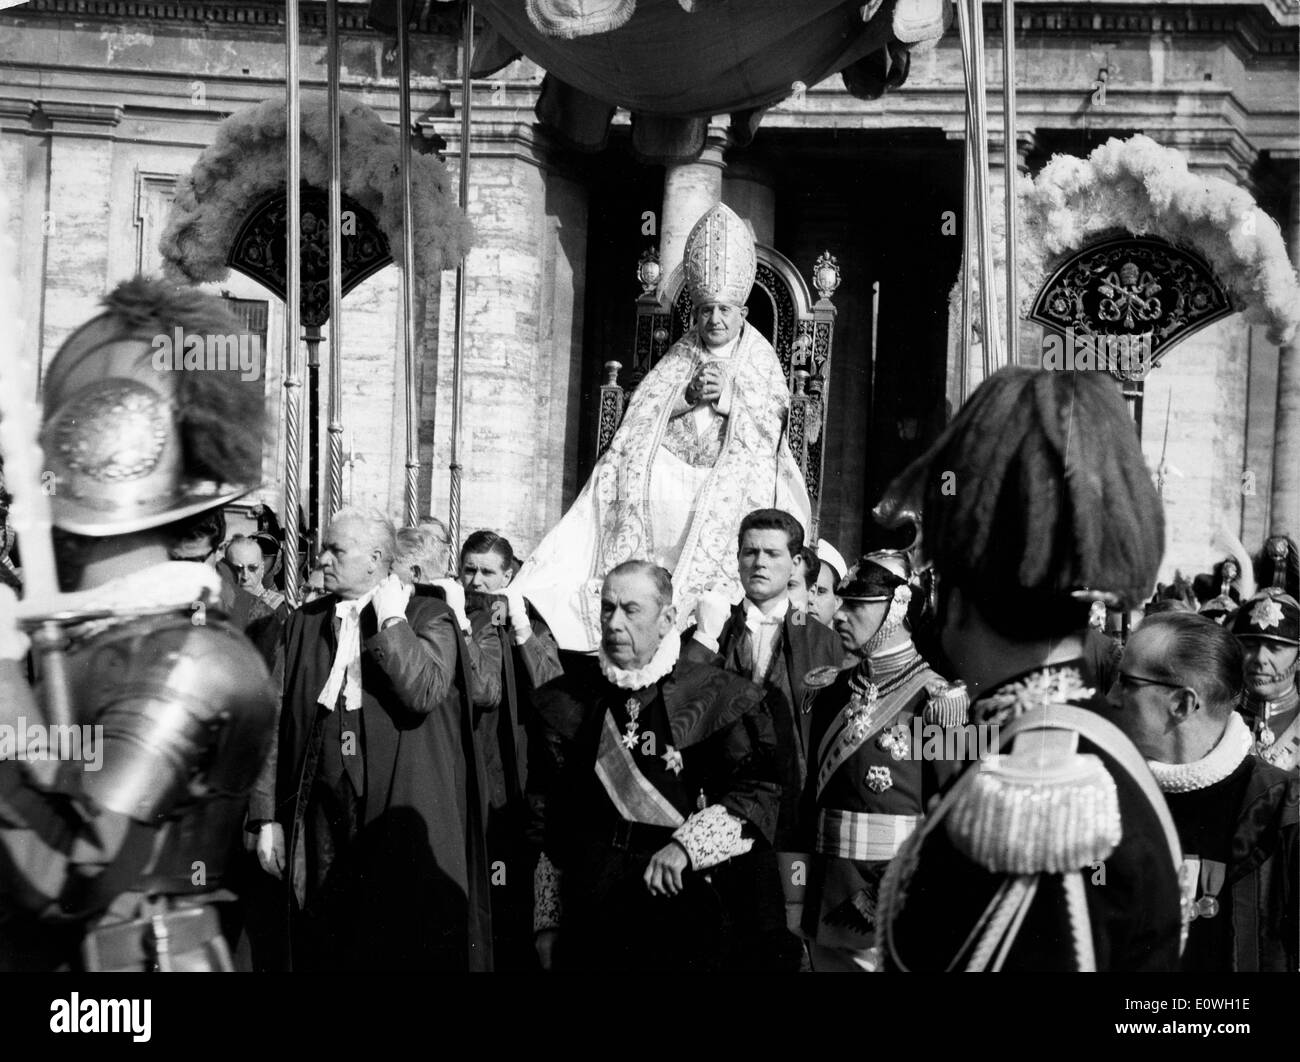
103	104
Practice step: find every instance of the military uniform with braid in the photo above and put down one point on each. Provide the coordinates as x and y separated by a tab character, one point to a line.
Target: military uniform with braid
1059	853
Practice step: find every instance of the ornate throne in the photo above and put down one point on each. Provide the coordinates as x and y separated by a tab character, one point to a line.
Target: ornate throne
782	308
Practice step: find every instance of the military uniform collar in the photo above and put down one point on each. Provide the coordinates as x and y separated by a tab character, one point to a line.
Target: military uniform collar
885	664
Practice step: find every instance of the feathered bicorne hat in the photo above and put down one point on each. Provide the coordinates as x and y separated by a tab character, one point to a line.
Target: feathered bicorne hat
134	440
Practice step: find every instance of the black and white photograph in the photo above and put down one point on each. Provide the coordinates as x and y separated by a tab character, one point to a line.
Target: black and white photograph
595	491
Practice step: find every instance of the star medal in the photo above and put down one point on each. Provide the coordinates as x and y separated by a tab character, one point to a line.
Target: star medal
1266	736
633	707
673	760
879	779
894	741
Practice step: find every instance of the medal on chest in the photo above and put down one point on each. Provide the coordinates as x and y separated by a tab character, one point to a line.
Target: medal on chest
630	729
857	713
879	779
894	741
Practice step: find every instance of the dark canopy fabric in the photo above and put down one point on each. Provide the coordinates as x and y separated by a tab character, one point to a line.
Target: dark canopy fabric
675	70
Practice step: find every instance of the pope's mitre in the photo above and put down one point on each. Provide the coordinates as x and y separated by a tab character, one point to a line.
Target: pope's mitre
720	262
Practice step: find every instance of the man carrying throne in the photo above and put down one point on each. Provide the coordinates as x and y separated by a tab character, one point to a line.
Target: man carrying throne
701	444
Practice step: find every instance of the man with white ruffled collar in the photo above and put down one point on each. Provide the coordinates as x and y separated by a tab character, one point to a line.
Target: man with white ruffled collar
657	786
1181	677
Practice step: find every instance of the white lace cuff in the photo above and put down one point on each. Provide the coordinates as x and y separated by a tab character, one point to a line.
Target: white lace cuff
712	836
546	895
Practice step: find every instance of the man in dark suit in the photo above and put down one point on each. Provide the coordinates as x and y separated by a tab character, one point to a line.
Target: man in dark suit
775	646
369	805
763	637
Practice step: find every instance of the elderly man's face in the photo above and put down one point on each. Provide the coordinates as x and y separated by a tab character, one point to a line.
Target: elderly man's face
633	621
245	561
350	565
719	323
1270	667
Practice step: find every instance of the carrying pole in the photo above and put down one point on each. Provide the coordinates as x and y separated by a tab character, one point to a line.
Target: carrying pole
293	293
334	494
408	272
1011	157
458	356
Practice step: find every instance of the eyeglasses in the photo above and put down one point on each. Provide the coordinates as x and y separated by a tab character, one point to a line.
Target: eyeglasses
179	555
1141	680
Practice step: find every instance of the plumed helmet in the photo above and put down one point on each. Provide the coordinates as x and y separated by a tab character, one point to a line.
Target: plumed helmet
134	439
720	261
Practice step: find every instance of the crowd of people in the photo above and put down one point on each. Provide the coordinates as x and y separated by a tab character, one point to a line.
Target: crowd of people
938	757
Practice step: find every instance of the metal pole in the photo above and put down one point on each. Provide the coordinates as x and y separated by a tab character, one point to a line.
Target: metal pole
971	25
967	259
315	502
408	271
1012	172
458	356
334	500
292	366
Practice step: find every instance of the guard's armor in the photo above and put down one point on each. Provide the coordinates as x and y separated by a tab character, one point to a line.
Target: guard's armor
187	712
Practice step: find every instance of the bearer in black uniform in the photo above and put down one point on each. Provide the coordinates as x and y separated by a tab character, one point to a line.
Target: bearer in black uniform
1058	854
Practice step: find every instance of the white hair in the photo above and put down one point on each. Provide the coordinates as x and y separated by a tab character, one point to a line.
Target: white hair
378	531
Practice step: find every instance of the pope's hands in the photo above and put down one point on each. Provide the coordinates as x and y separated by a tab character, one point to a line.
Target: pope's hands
391	597
712	610
663	877
706	385
270	848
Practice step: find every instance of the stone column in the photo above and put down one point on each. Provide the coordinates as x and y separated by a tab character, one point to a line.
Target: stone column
1286	439
690	189
748	190
1029	336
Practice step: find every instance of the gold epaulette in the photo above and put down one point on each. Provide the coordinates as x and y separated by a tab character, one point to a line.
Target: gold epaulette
948	705
820	677
1040	809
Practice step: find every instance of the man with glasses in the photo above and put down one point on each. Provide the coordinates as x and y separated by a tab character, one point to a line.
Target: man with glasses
247	564
1178	683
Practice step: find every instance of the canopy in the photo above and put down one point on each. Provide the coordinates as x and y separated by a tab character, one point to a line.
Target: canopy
675	69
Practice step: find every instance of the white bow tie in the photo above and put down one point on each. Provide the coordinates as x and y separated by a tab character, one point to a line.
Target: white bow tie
345	671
